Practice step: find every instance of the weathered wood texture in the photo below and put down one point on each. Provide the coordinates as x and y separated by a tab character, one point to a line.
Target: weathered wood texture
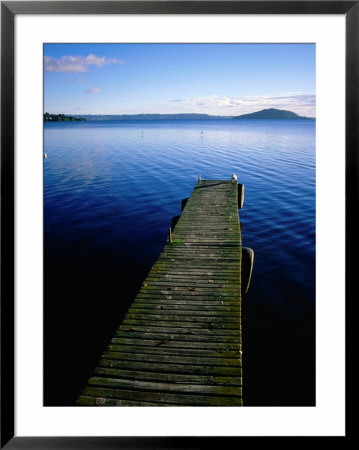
180	342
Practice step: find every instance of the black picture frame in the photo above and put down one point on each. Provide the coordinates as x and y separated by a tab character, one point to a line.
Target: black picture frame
9	9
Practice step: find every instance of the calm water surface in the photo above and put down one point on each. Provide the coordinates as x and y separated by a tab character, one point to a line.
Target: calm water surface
111	189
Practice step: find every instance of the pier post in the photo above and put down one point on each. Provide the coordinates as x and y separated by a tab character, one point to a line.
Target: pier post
170	240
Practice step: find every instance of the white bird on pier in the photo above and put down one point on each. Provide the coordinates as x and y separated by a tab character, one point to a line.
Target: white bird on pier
234	177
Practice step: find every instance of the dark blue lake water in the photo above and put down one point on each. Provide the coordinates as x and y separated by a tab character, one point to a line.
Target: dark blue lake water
110	192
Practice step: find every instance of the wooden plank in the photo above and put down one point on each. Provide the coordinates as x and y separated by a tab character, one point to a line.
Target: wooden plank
191	292
177	351
203	308
175	359
180	316
169	303
181	327
175	343
213	285
158	333
165	386
185	313
171	274
203	324
183	331
85	400
160	397
190	297
164	367
178	378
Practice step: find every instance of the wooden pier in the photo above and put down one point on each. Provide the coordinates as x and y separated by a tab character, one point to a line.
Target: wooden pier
180	342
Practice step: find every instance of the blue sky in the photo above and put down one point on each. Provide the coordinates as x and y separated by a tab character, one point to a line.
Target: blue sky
220	79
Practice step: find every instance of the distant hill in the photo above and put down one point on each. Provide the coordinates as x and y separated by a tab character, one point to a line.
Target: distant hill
271	113
186	116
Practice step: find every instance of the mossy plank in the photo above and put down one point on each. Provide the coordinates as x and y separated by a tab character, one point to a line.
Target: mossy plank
158	333
178	378
175	359
165	367
205	332
176	351
167	386
84	400
212	305
159	397
190	297
169	343
210	324
178	316
185	313
203	308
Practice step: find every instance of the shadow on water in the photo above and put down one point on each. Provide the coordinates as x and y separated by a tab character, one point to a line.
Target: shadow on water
84	307
278	353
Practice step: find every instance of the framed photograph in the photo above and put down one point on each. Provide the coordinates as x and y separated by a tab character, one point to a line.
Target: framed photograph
138	308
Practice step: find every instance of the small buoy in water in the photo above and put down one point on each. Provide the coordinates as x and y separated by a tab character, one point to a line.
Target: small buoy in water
45	155
234	177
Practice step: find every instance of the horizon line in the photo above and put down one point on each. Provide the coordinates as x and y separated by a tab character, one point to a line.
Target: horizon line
168	114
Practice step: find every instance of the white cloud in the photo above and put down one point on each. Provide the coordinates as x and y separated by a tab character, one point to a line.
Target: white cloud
93	91
70	63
